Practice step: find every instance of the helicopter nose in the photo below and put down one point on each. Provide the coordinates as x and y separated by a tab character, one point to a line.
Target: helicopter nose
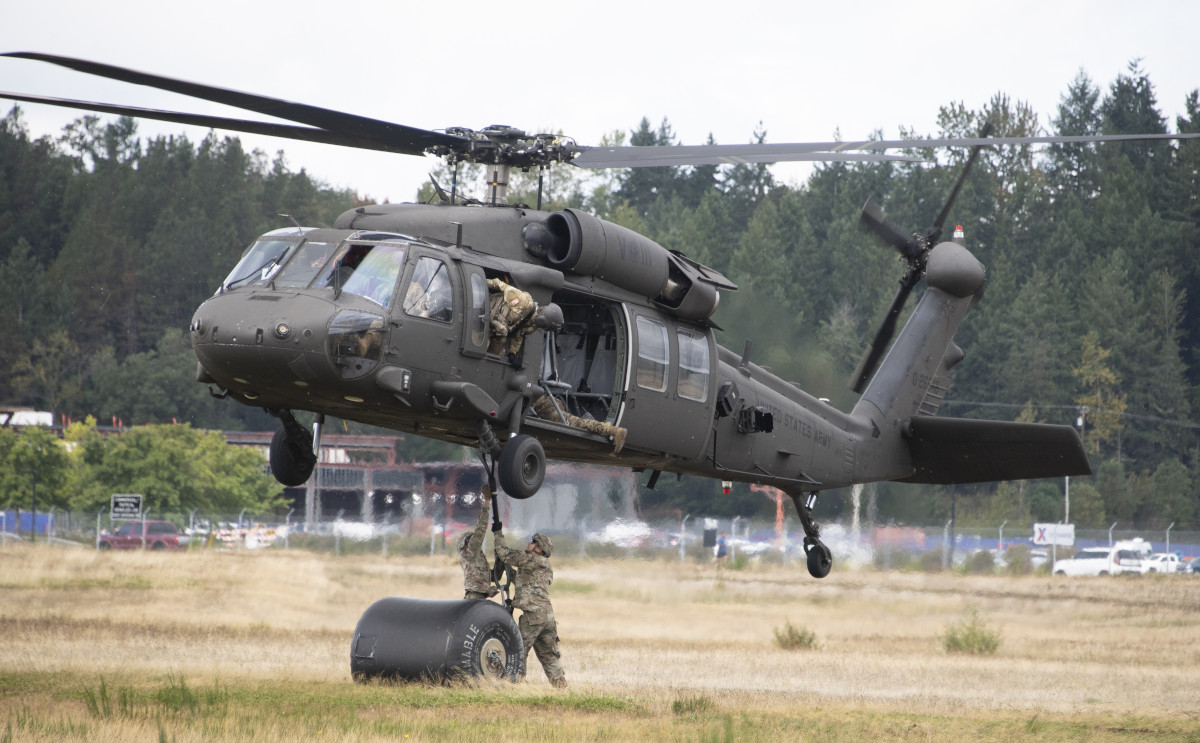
261	344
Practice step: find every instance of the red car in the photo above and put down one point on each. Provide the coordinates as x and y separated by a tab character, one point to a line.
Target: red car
158	535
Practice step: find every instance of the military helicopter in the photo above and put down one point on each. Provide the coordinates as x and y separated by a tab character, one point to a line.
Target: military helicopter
529	334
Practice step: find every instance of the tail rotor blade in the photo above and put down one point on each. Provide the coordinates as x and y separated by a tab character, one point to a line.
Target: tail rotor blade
936	231
884	335
872	219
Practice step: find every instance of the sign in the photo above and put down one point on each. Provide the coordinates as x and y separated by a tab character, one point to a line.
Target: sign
126	507
1063	534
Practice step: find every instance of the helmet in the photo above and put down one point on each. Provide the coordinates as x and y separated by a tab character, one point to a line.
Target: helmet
463	539
543	541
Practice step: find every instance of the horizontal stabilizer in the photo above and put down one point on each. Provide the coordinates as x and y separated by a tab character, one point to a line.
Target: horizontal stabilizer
961	450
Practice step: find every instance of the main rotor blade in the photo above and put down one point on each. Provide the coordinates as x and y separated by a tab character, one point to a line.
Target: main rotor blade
718	154
395	137
721	154
287	131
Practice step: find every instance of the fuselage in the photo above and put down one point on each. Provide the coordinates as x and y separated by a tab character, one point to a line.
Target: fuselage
371	323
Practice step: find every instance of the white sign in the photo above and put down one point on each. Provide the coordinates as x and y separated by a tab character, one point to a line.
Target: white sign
126	507
1063	534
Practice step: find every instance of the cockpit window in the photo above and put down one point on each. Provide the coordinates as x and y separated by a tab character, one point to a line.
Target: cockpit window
369	271
304	264
429	293
259	262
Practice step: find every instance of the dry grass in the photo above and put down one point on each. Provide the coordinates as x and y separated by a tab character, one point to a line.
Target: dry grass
255	646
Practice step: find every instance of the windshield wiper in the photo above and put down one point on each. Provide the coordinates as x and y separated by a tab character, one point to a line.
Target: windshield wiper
261	270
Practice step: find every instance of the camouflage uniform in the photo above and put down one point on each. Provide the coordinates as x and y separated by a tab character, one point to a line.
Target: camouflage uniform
511	317
477	574
545	408
539	631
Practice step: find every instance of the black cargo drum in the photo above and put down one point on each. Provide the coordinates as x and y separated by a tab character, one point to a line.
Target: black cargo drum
422	639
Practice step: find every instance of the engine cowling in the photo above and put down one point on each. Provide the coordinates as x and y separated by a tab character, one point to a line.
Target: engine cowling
575	241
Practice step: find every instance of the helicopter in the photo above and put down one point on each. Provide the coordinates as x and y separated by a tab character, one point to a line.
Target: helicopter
529	335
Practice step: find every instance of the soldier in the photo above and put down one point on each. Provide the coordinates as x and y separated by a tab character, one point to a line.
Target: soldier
546	407
511	317
534	576
477	574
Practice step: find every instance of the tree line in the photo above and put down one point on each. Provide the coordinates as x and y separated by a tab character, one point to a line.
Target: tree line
108	243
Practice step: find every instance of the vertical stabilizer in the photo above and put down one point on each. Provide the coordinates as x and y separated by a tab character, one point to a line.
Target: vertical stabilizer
924	351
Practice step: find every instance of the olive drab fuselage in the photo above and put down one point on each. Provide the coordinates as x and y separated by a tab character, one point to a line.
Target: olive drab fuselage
367	322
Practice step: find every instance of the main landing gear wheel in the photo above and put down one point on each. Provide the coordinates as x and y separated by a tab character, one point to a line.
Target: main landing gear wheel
440	641
292	461
820	559
522	466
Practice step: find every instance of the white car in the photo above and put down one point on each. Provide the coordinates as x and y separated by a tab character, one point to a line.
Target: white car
1101	561
1162	562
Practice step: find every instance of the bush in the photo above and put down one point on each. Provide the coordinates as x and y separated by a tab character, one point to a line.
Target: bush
982	562
1020	561
793	638
690	706
971	636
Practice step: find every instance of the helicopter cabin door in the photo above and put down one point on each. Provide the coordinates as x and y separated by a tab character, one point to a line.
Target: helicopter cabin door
669	391
428	295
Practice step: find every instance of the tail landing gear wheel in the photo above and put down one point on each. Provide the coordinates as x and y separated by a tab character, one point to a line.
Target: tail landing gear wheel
292	461
820	559
522	466
419	639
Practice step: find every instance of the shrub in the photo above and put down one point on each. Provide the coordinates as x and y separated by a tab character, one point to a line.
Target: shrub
971	636
980	563
793	638
690	706
1020	560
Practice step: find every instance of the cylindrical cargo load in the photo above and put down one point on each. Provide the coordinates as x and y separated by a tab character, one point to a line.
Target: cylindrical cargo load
422	639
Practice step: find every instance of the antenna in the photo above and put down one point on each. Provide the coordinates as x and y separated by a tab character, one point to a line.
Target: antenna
289	216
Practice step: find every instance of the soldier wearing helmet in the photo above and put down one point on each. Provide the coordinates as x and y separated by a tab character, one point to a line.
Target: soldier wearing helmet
477	574
538	628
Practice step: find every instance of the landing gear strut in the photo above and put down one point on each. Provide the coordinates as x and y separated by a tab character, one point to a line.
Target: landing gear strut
820	559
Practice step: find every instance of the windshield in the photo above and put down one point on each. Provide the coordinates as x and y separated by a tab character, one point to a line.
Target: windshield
258	263
369	271
305	264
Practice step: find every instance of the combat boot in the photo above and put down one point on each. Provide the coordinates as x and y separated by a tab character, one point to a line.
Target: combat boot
618	435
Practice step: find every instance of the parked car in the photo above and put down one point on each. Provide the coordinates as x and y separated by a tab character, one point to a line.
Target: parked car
157	535
1163	562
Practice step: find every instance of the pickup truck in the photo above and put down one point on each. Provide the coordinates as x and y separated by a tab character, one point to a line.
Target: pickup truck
1163	562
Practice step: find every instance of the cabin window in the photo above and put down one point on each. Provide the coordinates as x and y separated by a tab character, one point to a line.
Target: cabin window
356	341
479	315
654	354
429	293
693	365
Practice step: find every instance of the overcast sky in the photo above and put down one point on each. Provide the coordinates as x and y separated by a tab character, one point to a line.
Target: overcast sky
720	68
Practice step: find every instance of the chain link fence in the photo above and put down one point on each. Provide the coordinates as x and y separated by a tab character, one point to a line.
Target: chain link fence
1004	547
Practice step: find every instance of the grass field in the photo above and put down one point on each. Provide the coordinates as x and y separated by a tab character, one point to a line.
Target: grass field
254	646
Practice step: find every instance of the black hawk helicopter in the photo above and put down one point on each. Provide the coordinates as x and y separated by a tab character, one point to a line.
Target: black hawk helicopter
530	334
